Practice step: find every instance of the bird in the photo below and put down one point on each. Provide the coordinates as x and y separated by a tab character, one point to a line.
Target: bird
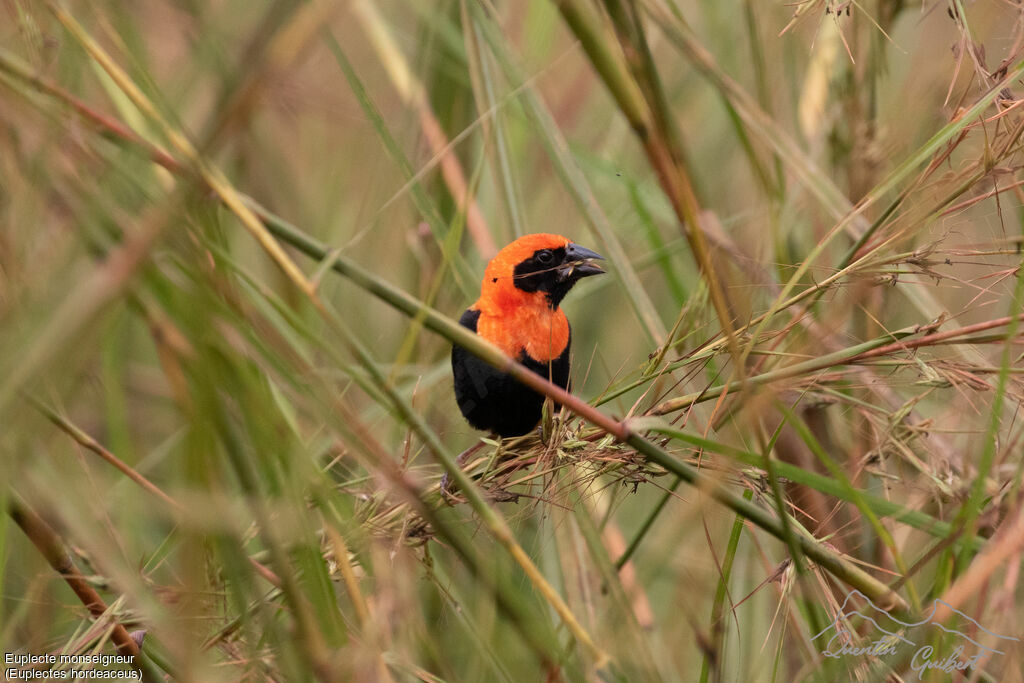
518	311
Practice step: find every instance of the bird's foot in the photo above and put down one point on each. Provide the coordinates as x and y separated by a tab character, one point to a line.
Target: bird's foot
502	496
447	492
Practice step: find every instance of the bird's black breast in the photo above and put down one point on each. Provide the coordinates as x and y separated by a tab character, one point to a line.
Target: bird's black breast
492	400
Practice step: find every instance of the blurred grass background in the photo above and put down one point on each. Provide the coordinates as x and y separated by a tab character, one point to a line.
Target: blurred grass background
812	218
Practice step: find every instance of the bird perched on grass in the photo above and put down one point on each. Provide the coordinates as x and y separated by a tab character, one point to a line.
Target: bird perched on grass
518	311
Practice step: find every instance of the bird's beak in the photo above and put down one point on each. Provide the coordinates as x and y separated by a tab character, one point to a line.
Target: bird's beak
579	262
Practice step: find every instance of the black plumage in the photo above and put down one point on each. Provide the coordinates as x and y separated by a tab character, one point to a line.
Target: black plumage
492	400
518	311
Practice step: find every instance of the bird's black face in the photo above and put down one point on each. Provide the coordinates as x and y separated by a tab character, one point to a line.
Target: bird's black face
555	271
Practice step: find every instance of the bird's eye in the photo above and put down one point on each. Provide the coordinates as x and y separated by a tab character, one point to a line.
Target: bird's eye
544	257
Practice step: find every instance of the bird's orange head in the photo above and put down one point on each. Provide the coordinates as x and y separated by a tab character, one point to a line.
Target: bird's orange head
521	290
535	270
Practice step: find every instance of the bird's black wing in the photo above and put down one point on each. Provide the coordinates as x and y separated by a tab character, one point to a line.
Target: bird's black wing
492	400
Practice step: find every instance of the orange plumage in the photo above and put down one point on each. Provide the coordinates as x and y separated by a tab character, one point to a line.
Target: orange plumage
518	310
516	320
